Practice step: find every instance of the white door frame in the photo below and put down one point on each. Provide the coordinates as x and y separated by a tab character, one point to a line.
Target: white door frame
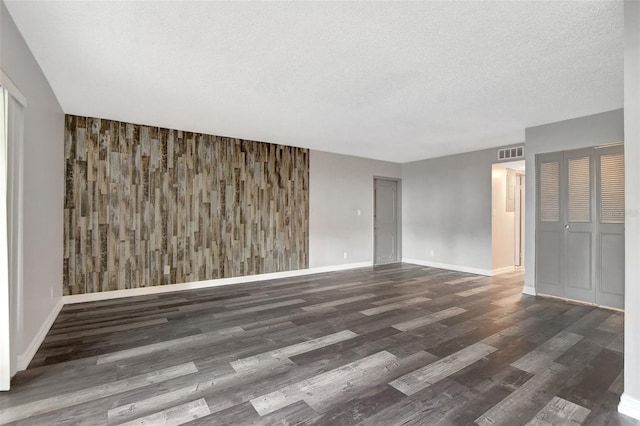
6	324
11	240
518	220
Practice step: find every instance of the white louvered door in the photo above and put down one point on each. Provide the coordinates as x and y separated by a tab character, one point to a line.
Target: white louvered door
580	225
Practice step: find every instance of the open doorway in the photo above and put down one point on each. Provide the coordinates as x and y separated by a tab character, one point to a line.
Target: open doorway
507	216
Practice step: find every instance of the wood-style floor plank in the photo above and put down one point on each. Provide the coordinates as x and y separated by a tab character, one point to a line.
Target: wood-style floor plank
397	344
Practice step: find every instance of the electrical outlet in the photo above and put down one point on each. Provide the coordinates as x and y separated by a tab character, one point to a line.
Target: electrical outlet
345	254
432	253
359	212
167	270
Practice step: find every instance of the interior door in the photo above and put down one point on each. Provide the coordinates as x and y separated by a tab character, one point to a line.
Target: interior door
580	225
550	224
610	206
386	221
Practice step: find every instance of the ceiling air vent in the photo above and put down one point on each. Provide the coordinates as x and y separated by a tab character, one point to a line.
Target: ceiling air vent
510	153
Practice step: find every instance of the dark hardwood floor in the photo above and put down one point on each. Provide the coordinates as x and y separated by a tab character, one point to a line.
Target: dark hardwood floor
398	344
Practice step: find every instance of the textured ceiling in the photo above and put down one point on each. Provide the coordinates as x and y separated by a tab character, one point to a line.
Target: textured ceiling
397	81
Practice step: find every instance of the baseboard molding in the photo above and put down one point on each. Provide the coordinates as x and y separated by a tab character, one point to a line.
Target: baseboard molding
25	359
530	290
116	294
458	268
579	302
503	270
334	268
629	406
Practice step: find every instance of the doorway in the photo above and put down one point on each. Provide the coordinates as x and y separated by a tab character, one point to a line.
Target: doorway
386	221
507	216
580	225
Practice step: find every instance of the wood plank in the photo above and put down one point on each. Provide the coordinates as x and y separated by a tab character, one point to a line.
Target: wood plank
174	416
433	373
547	352
315	388
19	412
139	199
393	306
560	411
275	356
526	401
429	319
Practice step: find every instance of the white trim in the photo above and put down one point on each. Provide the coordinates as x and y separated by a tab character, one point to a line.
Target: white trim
330	268
629	406
25	359
458	268
530	290
15	206
503	270
115	294
579	302
13	90
5	292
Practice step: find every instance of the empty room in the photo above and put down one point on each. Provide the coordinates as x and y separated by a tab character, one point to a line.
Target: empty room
319	212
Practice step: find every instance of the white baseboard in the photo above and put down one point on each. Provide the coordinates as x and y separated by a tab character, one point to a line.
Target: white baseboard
629	406
25	358
458	268
503	270
579	302
530	290
116	294
332	268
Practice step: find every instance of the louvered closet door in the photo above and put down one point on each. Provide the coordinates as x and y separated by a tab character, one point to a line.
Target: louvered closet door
610	206
579	226
550	224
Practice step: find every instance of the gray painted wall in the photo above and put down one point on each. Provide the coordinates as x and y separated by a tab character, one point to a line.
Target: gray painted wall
592	130
43	180
339	186
446	208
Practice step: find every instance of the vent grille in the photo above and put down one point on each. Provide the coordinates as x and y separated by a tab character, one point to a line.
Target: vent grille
512	152
612	188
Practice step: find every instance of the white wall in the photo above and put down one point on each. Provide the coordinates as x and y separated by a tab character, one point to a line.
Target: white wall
43	185
339	186
630	402
583	132
502	221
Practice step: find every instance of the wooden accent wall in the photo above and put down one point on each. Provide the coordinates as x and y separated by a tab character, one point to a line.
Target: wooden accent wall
140	201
